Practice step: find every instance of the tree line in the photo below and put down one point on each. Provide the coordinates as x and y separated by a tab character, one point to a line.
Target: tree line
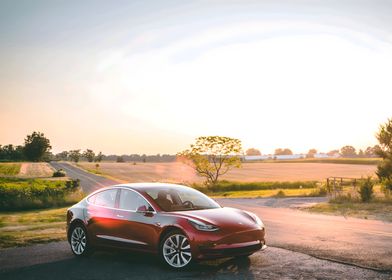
345	151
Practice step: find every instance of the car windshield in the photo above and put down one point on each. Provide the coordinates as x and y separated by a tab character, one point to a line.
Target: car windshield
179	198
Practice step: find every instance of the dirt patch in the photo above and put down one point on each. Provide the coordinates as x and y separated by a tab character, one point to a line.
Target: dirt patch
35	170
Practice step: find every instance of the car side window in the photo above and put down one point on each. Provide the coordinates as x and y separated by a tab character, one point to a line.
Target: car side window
105	198
130	200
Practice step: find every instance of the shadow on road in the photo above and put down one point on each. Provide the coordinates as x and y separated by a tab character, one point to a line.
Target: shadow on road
125	265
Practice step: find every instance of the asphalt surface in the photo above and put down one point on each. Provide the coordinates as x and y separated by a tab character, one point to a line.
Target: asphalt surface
55	261
297	241
88	181
362	242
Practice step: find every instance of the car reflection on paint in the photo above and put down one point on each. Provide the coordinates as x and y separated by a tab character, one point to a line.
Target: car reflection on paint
178	223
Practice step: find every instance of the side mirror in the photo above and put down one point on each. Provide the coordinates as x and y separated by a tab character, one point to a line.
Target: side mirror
144	209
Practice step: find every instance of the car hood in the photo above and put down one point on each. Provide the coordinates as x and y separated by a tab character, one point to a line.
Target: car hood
220	217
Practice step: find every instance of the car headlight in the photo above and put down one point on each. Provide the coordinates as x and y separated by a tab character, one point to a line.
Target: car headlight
255	218
199	225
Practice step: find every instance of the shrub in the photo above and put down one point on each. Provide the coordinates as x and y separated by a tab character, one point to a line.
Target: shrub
366	190
21	194
59	173
280	194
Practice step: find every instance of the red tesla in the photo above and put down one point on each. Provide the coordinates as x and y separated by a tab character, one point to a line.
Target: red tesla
178	223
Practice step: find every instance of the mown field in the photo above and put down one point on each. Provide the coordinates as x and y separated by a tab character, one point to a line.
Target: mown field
250	172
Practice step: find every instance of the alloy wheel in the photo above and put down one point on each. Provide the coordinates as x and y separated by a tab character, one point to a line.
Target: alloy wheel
78	240
177	250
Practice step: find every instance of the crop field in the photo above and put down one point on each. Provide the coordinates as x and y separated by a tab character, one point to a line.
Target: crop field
9	169
35	170
250	172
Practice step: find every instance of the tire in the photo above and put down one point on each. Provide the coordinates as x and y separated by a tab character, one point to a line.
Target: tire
175	250
79	242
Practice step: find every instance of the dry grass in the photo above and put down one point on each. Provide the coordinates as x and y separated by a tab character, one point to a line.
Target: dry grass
30	227
250	172
35	170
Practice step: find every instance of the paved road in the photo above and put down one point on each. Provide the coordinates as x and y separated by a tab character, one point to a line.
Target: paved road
363	242
55	261
89	182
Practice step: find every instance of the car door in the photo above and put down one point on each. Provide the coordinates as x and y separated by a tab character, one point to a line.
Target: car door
138	221
101	216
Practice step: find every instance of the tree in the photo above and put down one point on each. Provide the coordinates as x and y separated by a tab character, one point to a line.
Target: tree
348	151
74	155
213	156
120	159
372	151
311	153
280	152
89	155
361	153
384	168
62	156
253	152
36	146
333	153
99	157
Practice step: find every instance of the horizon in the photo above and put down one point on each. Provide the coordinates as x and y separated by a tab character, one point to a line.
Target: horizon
132	77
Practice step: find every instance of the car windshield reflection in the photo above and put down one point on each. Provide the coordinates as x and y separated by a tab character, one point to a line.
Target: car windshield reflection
171	199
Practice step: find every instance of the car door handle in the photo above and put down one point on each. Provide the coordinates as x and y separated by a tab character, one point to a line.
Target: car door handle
119	216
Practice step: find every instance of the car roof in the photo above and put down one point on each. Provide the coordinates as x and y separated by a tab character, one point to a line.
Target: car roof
147	185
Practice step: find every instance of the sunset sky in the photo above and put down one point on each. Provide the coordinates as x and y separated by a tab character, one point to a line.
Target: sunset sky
150	76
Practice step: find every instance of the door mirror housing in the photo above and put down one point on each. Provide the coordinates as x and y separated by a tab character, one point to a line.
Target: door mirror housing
144	209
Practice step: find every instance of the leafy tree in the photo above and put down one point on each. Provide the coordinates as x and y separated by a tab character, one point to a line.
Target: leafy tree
311	153
333	152
348	151
372	151
36	146
62	156
361	153
11	153
281	152
89	155
99	157
120	159
74	155
213	156
384	168
253	152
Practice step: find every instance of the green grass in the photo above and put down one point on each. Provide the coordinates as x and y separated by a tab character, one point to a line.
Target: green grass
23	194
9	169
364	161
277	193
31	227
226	186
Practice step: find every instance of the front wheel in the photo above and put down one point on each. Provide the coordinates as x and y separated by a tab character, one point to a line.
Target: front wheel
79	241
175	250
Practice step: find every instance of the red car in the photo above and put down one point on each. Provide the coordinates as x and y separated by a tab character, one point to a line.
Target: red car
178	223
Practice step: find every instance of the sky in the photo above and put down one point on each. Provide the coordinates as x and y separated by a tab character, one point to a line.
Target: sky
126	77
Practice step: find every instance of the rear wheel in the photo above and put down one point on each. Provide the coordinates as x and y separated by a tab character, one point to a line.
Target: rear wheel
175	250
79	242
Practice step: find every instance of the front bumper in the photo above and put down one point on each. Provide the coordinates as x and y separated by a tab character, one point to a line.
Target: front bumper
229	245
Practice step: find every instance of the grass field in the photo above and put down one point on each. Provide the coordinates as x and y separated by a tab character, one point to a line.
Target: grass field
30	227
9	169
250	172
279	193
